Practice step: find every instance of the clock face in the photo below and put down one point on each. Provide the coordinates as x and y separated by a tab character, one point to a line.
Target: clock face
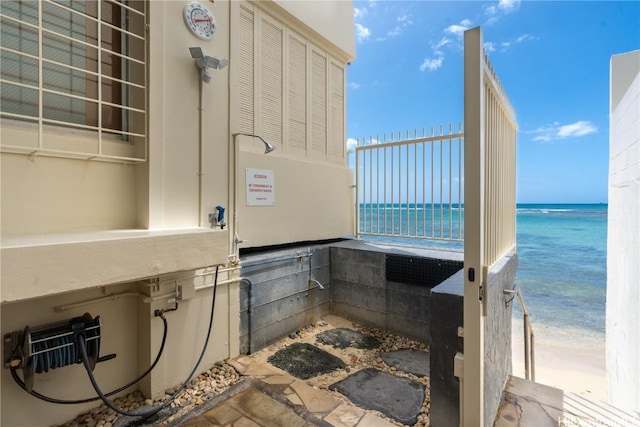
199	20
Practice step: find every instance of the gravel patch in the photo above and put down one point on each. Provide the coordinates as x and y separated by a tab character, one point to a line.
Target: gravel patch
201	389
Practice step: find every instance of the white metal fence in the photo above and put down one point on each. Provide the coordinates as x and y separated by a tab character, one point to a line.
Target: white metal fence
411	186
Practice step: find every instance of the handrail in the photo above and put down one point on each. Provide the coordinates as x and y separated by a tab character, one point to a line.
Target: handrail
529	341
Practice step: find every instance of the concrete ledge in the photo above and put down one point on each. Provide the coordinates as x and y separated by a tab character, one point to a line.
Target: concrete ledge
36	266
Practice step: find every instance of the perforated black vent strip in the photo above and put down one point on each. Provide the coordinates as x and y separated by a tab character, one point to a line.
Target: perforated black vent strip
429	272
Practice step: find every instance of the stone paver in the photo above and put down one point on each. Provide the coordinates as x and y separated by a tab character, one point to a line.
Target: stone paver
222	414
345	416
251	368
245	422
295	399
530	404
398	398
202	422
370	420
278	379
316	401
344	337
415	362
258	406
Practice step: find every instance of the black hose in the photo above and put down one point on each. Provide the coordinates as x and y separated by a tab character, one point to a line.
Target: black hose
151	412
34	393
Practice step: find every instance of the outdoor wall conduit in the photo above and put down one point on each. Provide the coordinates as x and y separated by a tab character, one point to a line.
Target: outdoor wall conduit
110	297
145	298
298	255
203	62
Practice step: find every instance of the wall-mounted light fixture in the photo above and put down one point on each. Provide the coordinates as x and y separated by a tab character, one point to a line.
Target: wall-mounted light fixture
204	62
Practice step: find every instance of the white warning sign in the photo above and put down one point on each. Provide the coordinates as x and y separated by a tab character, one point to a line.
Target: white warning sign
260	187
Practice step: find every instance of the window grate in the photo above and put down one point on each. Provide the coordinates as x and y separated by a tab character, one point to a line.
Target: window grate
80	66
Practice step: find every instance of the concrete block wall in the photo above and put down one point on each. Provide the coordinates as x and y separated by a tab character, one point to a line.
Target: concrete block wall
497	334
278	298
361	291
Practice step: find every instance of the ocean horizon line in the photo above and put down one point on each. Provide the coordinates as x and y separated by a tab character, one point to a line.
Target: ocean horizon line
455	205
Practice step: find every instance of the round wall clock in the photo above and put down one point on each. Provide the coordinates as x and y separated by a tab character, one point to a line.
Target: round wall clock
200	20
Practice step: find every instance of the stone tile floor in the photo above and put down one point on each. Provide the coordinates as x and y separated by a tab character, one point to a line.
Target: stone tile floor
268	397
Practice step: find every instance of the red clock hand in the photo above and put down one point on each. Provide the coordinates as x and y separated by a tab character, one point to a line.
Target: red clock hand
202	20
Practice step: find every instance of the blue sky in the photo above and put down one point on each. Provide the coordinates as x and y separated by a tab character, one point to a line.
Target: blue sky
552	59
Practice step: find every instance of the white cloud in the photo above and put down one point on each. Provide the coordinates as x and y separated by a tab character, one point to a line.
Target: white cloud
362	32
504	6
359	12
351	143
443	42
508	6
504	46
495	11
432	64
404	21
452	37
490	46
576	129
458	29
524	37
557	131
395	32
353	85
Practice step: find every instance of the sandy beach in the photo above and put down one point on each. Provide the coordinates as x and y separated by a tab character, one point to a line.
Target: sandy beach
564	365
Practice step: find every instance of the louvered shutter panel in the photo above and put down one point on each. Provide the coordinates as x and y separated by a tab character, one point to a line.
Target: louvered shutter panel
336	147
319	103
270	113
245	79
297	120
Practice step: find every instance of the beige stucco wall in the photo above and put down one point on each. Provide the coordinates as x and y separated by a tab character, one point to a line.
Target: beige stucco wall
623	234
74	230
338	13
174	117
129	330
312	201
83	195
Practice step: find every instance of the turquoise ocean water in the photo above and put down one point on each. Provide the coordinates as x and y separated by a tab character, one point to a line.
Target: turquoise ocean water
562	262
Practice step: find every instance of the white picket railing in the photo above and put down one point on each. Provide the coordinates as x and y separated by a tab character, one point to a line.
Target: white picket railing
411	186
